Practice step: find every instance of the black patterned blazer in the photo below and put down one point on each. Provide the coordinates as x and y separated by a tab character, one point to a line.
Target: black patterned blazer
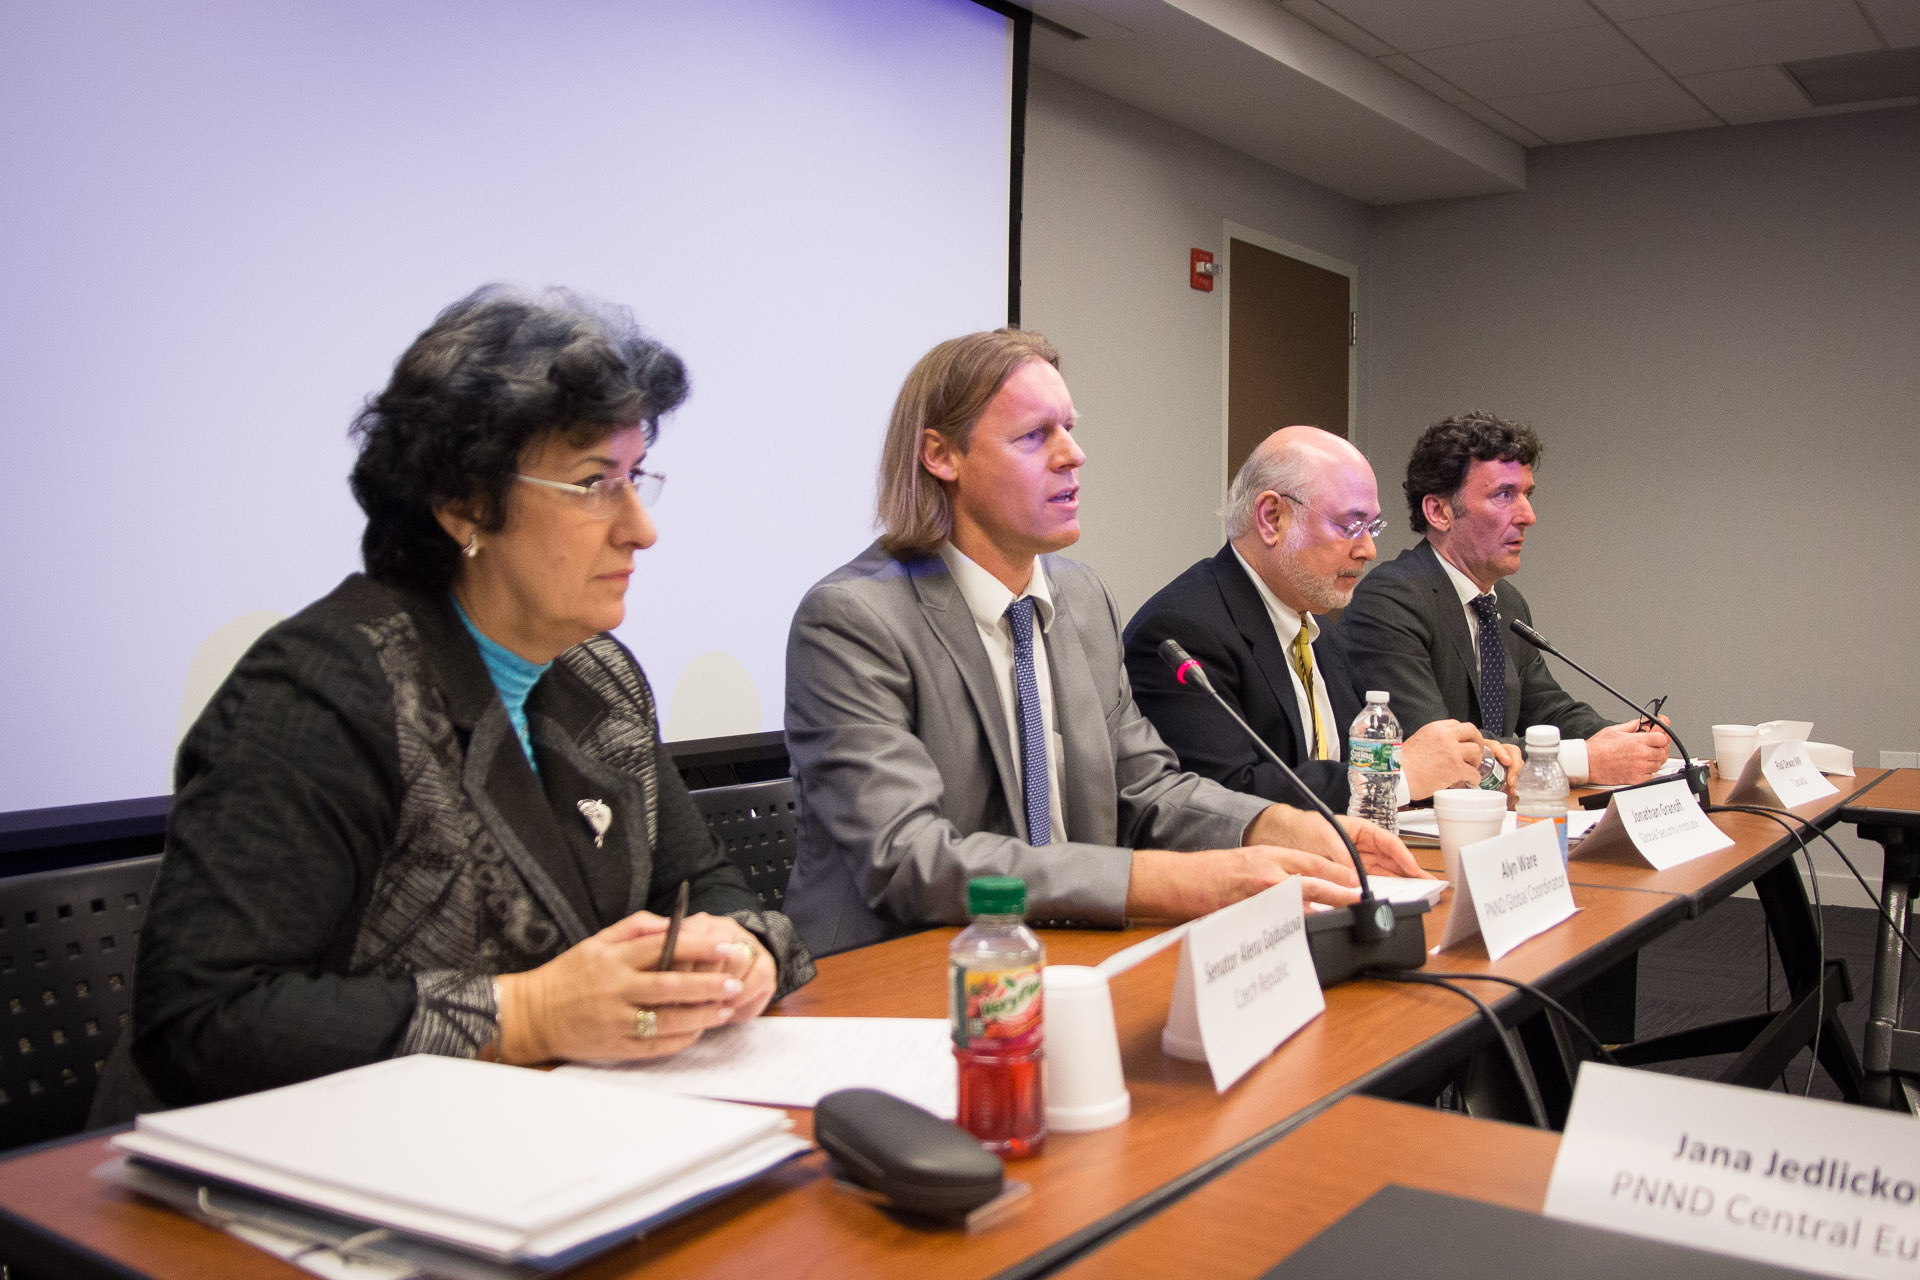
357	845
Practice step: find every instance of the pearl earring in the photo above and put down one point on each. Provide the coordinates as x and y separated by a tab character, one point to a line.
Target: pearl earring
472	548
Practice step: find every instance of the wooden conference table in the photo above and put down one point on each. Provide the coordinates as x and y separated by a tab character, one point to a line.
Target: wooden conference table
1375	1037
1817	985
1354	1149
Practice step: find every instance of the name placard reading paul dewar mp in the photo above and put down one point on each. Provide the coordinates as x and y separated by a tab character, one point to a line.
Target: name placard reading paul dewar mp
1794	1181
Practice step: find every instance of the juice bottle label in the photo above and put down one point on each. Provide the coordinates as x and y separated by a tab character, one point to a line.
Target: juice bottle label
1559	822
1373	757
996	1009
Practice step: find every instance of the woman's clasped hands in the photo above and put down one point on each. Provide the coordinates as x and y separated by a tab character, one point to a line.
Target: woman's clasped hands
606	998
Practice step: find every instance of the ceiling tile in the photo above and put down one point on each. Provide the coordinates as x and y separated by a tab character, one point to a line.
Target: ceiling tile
1432	83
1751	35
1487	116
1747	95
1336	26
1622	10
1541	63
1408	25
1898	20
1606	111
1843	108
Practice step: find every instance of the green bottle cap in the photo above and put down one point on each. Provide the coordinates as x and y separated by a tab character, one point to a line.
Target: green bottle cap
996	896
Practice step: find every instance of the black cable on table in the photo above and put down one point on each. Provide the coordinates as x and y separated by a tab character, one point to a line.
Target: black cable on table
1794	828
1599	1045
1521	1070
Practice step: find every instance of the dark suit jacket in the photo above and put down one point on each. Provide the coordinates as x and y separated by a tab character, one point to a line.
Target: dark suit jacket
1406	632
357	845
1215	610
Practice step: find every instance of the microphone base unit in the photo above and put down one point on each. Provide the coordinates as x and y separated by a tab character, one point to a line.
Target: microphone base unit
1694	775
1339	954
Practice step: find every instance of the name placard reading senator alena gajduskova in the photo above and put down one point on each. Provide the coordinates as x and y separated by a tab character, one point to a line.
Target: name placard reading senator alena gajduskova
1793	1181
1246	980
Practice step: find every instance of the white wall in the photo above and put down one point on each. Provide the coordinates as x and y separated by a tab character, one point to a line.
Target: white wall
1115	199
1717	334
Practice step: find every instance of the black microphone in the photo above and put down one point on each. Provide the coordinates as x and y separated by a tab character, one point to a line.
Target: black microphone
1696	775
1369	934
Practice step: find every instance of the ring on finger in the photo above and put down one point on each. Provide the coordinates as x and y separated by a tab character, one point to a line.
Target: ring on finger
646	1024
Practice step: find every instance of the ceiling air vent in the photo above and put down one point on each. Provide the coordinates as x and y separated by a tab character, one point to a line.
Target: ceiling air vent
1859	77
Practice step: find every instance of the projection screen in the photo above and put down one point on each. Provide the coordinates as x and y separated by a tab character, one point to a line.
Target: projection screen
221	221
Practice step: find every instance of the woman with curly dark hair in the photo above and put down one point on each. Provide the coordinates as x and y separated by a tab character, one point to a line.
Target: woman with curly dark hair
431	812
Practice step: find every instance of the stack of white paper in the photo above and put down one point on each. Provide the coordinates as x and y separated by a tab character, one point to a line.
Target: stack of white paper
508	1163
794	1062
1422	826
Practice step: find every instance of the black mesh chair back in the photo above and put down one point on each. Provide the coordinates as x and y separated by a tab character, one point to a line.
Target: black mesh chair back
67	941
756	822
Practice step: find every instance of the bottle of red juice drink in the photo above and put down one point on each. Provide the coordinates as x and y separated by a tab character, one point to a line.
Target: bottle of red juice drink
994	1006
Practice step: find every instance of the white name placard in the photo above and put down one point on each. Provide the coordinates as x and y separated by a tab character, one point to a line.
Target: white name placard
1792	1181
1245	983
1781	772
1664	823
1510	888
1791	772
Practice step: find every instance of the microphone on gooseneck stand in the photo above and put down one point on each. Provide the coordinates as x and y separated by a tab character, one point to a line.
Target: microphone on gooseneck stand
1695	775
1371	933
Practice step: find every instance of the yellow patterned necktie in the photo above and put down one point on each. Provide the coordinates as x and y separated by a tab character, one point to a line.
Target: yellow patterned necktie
1303	663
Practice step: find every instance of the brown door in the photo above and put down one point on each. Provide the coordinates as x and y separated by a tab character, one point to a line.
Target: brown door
1287	326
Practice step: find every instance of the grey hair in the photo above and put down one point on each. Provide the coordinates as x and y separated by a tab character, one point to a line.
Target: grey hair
1283	470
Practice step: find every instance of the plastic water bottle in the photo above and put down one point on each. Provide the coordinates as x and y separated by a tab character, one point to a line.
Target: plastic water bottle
994	1009
1373	763
1540	790
1492	776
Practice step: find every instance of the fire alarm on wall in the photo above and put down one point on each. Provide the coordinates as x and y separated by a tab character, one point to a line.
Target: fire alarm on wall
1201	271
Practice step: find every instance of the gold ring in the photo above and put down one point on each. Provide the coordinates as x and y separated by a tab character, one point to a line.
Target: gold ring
646	1024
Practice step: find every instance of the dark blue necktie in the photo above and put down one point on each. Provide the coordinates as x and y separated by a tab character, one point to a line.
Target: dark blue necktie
1033	730
1493	667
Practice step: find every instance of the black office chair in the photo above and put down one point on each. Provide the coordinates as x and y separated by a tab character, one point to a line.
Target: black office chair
756	822
66	983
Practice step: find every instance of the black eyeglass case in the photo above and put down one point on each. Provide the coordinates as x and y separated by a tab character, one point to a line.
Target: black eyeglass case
920	1163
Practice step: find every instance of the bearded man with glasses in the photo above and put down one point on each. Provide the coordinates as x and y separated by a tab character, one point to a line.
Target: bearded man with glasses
1301	518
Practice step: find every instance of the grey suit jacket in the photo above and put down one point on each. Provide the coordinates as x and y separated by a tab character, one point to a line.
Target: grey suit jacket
904	769
1406	632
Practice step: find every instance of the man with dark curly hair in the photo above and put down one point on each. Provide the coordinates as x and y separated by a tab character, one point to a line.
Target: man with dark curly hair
1431	627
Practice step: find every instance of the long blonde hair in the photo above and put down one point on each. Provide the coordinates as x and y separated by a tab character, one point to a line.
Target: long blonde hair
947	391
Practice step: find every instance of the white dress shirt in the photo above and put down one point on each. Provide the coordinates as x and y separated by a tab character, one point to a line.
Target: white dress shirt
987	600
1573	751
1286	625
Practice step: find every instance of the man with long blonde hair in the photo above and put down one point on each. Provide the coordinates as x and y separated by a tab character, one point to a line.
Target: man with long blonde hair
956	704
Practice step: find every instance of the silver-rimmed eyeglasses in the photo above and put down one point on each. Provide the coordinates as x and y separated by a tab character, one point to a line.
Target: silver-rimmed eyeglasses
602	497
1349	529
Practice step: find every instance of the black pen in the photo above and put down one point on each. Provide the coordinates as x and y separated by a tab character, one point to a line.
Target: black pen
673	928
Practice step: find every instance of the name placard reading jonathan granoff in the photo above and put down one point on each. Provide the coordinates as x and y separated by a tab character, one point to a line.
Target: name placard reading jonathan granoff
1664	823
1510	888
1245	983
1793	1181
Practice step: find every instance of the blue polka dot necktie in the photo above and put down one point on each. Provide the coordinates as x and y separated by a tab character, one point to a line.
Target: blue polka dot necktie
1033	730
1493	667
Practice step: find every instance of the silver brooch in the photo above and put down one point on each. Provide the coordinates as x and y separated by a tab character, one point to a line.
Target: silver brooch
598	816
